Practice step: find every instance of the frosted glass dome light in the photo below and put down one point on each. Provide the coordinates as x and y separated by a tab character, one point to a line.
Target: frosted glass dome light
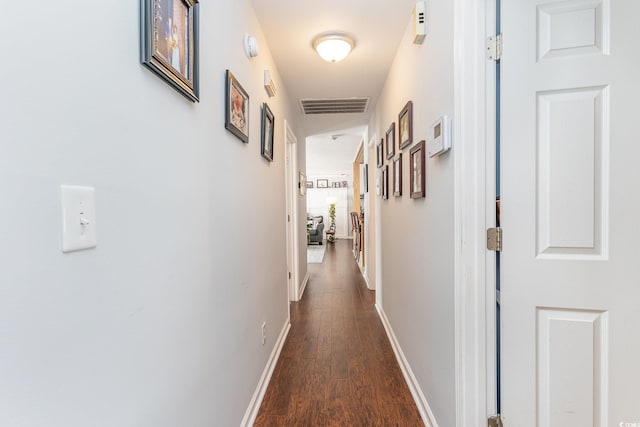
333	47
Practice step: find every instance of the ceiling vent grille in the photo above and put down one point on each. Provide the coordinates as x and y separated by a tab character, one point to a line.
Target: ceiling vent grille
334	105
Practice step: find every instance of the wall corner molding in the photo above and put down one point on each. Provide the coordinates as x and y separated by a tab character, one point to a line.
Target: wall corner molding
303	285
474	86
418	396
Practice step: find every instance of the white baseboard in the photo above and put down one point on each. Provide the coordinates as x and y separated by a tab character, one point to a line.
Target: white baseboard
412	382
303	286
258	395
363	271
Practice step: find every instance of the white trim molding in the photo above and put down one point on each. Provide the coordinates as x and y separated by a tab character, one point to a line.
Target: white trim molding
418	396
256	400
303	286
291	177
474	182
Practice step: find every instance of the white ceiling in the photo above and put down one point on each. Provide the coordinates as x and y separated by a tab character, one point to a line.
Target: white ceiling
377	27
333	153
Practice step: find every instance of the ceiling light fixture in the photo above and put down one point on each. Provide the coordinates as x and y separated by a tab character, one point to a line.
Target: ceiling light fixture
333	47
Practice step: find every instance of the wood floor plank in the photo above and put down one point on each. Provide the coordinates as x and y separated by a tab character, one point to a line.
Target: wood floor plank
337	367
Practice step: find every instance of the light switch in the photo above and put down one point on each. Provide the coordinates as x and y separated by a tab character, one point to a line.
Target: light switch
78	217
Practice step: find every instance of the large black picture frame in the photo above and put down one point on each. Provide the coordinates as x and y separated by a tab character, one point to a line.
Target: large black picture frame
169	43
266	138
236	111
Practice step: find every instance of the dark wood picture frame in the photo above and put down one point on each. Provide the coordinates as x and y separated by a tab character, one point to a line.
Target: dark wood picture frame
169	43
322	183
416	171
236	112
266	137
391	141
397	175
380	153
385	182
405	126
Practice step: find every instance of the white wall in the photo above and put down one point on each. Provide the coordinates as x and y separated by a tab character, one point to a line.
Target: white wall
160	324
417	236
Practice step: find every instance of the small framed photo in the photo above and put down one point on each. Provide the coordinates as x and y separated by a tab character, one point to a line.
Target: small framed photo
302	183
391	141
266	139
385	182
397	175
380	153
344	184
236	109
322	183
405	124
417	172
309	184
169	43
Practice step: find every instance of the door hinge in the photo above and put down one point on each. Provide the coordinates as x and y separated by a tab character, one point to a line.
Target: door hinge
288	218
495	421
494	47
494	239
289	275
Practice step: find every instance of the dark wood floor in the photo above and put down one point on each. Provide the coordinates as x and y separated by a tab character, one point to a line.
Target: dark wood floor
337	367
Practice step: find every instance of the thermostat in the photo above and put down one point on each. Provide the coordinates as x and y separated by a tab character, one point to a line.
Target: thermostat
440	137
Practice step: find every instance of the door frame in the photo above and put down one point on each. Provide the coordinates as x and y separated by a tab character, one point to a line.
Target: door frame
369	226
474	188
291	184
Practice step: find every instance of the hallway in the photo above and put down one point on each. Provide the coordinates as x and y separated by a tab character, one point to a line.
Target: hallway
337	367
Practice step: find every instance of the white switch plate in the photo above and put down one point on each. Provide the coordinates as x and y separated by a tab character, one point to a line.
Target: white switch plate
78	217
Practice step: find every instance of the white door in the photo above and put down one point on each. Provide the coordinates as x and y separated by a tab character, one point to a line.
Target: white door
570	199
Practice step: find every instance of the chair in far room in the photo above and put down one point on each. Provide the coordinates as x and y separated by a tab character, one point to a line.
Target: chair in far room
316	231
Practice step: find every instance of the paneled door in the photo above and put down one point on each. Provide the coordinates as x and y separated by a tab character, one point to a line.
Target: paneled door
570	211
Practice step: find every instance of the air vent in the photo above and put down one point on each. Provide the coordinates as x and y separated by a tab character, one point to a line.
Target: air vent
334	105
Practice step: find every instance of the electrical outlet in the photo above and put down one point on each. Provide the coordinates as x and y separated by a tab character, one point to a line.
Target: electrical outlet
264	332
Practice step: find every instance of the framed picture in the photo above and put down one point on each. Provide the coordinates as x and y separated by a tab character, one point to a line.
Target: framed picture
385	182
417	172
169	43
266	139
397	175
322	183
236	109
405	124
391	141
309	184
344	184
302	183
380	153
